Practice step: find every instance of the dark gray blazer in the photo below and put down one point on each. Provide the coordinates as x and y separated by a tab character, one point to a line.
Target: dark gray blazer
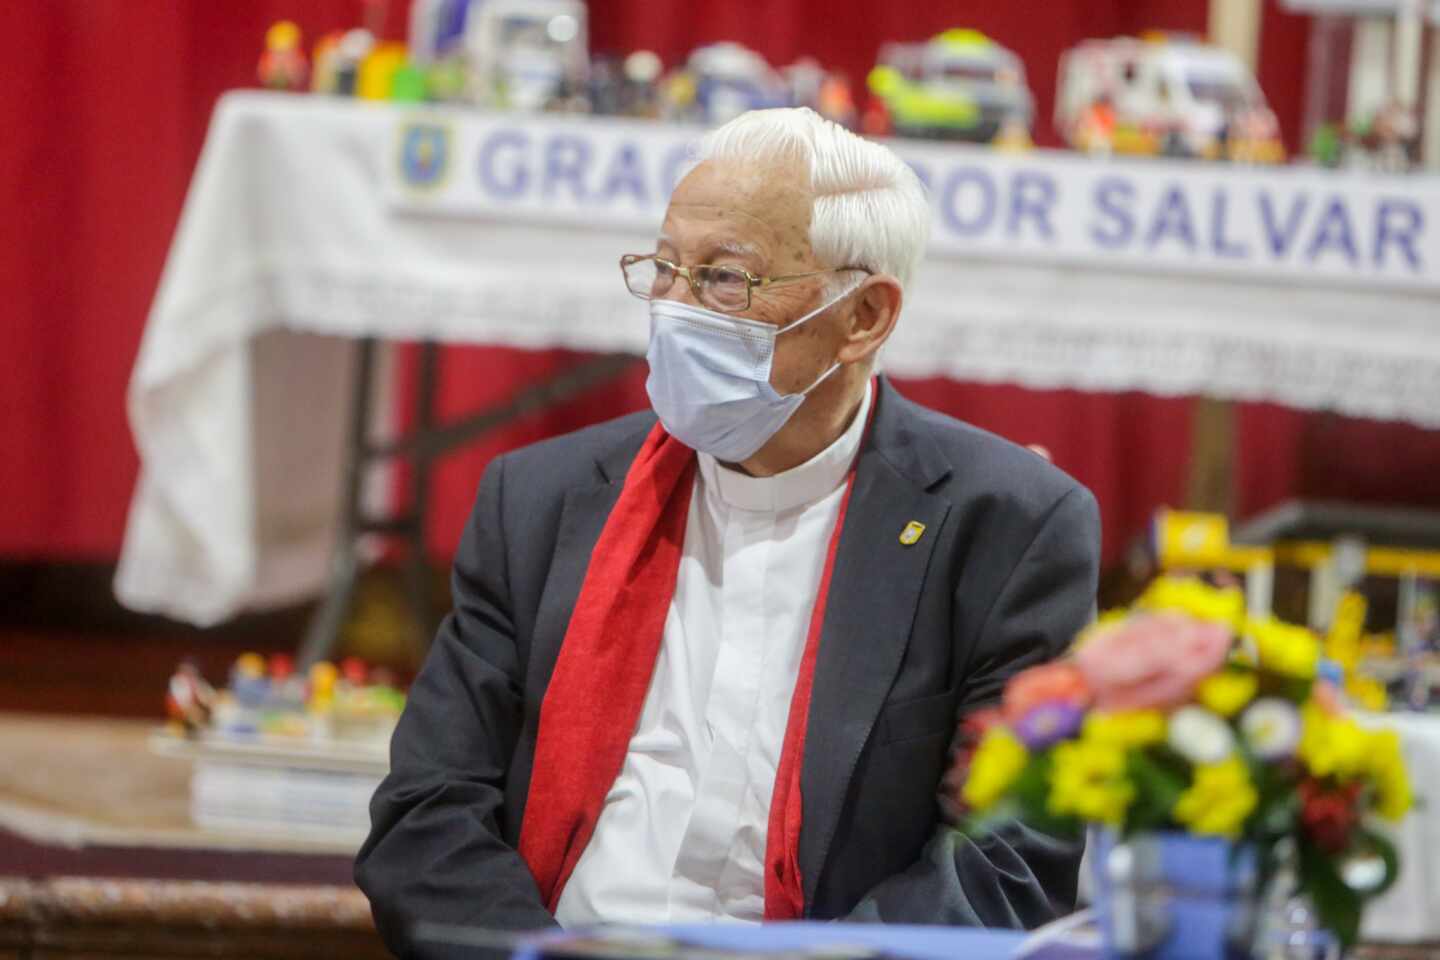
914	637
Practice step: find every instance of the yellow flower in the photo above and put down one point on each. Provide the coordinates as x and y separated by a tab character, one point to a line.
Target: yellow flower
1190	596
1219	799
1125	728
1285	648
1332	745
1228	692
1088	781
1367	693
1387	770
997	763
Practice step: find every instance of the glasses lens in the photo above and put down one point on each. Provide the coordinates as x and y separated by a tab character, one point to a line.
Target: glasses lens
648	278
724	288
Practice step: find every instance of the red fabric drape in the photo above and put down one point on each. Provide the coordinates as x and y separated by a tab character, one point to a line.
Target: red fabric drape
104	109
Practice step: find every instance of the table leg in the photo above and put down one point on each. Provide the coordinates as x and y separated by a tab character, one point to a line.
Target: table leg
422	446
324	630
418	567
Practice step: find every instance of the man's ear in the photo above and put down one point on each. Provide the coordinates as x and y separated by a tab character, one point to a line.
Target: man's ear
877	307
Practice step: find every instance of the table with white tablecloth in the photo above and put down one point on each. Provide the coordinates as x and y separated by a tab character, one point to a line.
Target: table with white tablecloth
312	220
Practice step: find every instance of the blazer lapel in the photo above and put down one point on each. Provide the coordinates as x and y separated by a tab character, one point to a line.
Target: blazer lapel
874	591
582	517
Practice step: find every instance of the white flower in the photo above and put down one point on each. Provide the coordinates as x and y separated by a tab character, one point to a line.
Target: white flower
1200	735
1271	727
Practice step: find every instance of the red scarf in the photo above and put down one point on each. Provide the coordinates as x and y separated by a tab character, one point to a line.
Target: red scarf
603	672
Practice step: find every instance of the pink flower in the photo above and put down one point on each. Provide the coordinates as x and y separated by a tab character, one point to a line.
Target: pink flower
1151	661
1047	684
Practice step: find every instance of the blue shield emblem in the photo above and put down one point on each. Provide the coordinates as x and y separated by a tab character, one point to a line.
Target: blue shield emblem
424	154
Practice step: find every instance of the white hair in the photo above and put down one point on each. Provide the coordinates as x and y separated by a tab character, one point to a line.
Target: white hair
870	208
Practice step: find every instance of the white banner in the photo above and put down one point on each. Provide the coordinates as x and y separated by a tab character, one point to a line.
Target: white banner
1285	223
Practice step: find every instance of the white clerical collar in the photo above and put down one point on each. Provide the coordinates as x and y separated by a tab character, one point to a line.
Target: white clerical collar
801	485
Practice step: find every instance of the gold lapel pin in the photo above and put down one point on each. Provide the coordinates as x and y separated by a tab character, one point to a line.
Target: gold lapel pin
912	533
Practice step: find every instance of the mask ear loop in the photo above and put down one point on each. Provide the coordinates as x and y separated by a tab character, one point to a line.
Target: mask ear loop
821	309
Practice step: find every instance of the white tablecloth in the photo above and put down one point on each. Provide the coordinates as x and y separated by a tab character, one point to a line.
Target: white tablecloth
292	240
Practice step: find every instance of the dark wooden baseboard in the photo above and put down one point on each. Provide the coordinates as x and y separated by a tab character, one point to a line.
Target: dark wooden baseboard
77	596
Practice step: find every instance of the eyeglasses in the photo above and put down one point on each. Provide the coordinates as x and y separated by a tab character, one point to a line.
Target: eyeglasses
723	288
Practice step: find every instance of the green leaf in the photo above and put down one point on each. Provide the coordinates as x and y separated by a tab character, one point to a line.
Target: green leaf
1385	850
1338	906
1158	786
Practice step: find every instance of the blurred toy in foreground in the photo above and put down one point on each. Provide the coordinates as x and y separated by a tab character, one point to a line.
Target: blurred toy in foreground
189	700
1388	143
282	65
268	700
516	54
718	83
961	85
627	87
827	92
1164	96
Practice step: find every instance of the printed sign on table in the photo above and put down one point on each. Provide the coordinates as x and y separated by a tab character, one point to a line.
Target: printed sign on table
1284	223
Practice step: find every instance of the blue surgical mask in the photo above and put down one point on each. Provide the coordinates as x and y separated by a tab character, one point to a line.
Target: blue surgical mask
710	378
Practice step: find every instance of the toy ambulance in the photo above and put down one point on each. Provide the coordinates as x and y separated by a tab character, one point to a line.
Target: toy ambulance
960	85
1162	95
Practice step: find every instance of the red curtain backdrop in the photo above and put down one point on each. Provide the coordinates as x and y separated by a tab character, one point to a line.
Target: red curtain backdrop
104	110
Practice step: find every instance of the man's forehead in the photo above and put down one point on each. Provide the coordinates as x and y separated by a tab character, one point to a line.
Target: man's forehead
767	203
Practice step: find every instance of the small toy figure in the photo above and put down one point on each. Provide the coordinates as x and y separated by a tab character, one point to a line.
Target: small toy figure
377	71
324	79
282	65
320	695
350	53
248	682
837	101
1393	139
640	93
189	700
1095	132
408	85
354	671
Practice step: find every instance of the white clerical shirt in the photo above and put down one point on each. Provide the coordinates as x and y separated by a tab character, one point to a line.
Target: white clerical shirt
682	834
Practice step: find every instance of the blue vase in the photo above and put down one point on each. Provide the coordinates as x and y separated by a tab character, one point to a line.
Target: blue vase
1173	896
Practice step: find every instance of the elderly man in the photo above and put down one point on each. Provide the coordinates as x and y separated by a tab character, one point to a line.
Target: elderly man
707	662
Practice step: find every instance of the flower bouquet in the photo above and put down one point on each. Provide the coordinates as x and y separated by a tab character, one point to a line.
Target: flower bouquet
1182	718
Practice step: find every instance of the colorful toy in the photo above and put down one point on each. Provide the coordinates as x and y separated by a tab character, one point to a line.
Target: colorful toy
188	700
350	53
326	60
526	54
376	79
1164	95
282	65
267	700
721	81
824	91
961	85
